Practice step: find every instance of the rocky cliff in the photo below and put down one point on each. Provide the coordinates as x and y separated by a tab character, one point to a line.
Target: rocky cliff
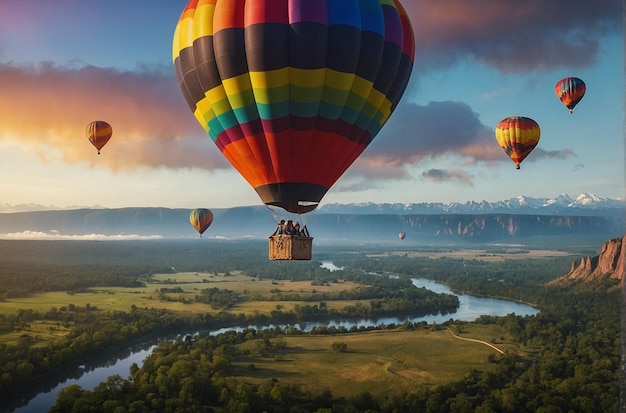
611	263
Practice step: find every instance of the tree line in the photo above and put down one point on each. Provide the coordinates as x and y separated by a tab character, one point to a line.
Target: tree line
575	368
575	337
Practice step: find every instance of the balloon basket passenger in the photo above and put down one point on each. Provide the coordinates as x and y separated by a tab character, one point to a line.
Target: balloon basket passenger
290	242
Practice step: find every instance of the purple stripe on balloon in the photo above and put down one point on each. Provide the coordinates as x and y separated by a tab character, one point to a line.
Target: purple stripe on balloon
393	26
308	11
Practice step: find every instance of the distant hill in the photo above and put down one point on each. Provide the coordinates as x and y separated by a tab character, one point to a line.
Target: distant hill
257	222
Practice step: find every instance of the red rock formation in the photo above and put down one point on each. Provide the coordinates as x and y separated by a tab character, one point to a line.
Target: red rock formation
610	263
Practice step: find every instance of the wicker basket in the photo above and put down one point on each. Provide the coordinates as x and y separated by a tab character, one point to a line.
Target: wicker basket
288	247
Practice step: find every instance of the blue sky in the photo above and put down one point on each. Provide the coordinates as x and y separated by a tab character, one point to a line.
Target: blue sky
65	63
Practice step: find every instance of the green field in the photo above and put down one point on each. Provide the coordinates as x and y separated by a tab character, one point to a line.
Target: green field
379	362
191	283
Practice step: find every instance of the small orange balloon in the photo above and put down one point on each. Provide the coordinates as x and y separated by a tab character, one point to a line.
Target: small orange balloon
99	132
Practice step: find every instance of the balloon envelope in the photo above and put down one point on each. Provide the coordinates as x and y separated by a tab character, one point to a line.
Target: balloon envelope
292	92
401	235
201	219
570	91
99	132
518	136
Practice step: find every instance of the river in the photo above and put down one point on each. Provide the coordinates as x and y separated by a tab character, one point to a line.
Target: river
90	375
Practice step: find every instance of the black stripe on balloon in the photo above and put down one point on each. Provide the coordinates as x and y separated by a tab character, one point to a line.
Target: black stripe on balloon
186	74
288	195
401	81
370	55
308	42
183	88
267	46
206	65
388	68
344	43
230	52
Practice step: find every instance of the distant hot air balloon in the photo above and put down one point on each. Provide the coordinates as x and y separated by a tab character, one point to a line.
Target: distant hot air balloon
570	91
518	136
201	219
292	92
99	132
401	235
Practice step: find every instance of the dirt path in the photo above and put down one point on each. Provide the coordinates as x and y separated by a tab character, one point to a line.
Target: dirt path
477	341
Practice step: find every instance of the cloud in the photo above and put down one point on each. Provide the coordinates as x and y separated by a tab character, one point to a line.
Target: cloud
512	36
438	131
539	153
47	107
416	132
442	175
54	235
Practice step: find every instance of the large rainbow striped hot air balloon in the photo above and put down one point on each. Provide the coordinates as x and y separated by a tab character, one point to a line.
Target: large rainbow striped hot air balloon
293	91
518	136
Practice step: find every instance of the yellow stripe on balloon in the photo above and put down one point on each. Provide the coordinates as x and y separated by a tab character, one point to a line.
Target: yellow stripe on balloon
309	78
203	19
239	91
339	80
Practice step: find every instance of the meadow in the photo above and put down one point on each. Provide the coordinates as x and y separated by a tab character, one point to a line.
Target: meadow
379	362
190	284
388	361
108	294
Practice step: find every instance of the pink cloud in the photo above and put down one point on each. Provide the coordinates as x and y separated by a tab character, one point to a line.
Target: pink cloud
512	36
46	107
439	128
443	175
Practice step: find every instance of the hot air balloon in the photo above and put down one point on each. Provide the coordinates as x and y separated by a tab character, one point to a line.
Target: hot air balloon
518	136
401	235
570	91
99	132
201	219
292	92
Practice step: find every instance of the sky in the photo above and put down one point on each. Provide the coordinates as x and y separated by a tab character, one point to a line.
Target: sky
64	63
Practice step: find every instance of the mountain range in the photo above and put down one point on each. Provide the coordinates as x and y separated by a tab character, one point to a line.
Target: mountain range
583	204
586	216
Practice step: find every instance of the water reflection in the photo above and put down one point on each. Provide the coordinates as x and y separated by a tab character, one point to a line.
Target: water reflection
42	394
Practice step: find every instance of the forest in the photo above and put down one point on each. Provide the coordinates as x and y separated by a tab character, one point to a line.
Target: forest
572	363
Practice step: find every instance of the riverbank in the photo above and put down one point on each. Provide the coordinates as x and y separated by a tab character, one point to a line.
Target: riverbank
469	309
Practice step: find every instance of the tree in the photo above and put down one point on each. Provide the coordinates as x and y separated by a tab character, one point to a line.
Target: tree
339	347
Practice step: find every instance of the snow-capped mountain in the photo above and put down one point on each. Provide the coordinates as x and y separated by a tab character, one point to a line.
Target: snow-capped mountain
583	204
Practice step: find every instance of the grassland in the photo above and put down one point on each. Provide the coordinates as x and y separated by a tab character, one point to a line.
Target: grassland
379	362
191	283
487	255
